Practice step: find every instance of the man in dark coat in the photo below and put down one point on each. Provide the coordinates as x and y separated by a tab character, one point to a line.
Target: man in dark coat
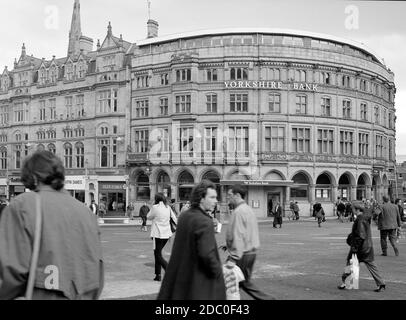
360	241
388	223
278	215
194	270
143	214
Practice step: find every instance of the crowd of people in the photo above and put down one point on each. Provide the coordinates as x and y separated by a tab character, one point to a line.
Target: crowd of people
70	239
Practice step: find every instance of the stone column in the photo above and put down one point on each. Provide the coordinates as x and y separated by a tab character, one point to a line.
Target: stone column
334	192
312	190
368	192
353	193
287	194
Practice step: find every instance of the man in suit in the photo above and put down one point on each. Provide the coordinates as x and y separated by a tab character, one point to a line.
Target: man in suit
388	223
278	215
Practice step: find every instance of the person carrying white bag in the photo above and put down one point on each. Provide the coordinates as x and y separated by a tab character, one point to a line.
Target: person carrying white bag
360	241
232	277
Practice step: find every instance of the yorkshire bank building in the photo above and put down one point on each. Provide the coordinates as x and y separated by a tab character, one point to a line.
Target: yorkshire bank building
291	115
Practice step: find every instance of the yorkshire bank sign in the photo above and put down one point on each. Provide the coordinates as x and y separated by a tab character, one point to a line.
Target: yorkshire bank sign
270	85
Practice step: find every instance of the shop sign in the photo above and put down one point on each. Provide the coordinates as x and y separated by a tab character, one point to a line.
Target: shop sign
15	180
106	186
75	183
276	85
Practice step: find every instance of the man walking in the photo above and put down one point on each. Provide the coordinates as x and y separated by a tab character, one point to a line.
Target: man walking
195	271
388	223
143	214
242	241
94	208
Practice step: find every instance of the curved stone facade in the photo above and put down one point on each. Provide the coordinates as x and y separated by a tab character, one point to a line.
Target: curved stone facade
294	116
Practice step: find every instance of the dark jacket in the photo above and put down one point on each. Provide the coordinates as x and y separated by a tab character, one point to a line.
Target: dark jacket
389	217
144	211
320	212
361	240
70	248
278	212
194	271
341	207
401	212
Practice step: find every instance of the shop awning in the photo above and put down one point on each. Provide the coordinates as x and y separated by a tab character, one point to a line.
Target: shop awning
276	183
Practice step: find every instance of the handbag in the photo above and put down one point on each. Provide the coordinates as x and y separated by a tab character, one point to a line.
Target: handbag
349	239
35	251
172	222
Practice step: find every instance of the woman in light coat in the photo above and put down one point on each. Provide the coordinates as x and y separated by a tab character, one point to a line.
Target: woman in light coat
160	215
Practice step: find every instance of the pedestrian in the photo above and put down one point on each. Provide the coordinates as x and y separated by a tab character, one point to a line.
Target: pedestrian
160	214
296	210
3	205
292	210
320	215
242	241
102	208
130	211
195	271
278	215
185	207
94	208
340	210
360	242
348	211
399	203
70	263
388	225
143	215
173	206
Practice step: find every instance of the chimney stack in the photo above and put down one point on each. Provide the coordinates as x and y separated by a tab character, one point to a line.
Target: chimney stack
152	27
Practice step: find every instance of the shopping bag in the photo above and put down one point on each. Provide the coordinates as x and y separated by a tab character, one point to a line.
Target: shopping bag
352	272
232	278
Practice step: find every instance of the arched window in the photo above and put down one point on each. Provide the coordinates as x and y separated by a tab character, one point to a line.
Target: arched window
68	155
344	187
143	190
3	158
40	147
53	74
214	177
164	184
323	187
80	155
51	148
361	188
185	186
300	186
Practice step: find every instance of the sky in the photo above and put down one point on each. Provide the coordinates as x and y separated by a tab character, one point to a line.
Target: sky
43	25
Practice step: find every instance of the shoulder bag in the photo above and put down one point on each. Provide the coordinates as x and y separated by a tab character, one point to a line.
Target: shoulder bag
171	221
35	251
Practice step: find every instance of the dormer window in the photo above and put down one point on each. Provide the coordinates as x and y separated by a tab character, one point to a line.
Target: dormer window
69	72
53	74
81	69
42	76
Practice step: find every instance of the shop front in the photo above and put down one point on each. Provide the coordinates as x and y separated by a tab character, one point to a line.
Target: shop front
113	197
3	188
76	186
15	187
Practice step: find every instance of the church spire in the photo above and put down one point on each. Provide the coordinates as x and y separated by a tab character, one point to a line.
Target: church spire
75	30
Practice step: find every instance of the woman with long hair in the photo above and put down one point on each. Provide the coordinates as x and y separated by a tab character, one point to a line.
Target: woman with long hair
160	214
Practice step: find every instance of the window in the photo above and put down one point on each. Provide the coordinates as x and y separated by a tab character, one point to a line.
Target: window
52	109
391	154
41	135
81	69
19	112
391	122
239	140
183	75
164	79
68	155
363	143
384	118
53	74
300	75
301	104
51	148
141	140
3	158
275	138
68	106
185	140
364	111
51	134
346	109
239	74
346	143
211	103
301	140
274	102
345	81
325	78
69	71
4	115
114	129
67	133
183	103
114	153
108	101
211	74
80	108
210	139
42	76
143	82
363	85
163	139
104	131
3	137
377	115
326	106
163	106
104	148
274	74
379	146
325	141
239	102
141	108
17	154
80	155
42	110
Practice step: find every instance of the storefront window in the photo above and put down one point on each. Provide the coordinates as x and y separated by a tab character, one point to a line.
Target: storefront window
164	184
143	190
186	184
300	187
323	187
113	197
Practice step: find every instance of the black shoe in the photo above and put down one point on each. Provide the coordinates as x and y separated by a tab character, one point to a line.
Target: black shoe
380	288
157	278
274	227
397	252
384	254
341	286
